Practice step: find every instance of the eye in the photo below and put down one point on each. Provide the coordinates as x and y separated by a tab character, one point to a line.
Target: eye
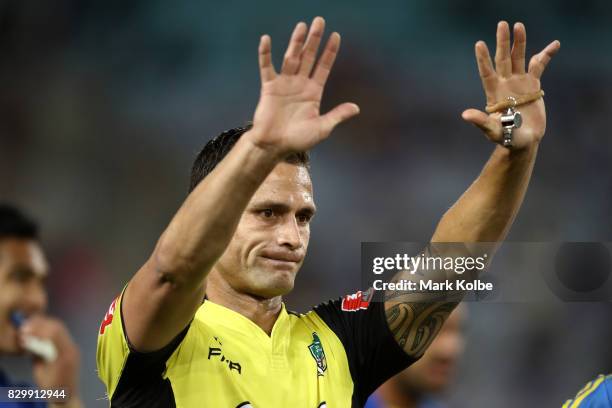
303	218
21	275
267	213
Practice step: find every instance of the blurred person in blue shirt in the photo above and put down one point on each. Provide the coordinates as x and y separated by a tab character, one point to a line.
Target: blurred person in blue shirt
23	302
419	385
595	394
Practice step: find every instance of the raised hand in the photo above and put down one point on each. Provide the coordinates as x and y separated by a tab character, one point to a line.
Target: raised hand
509	78
287	118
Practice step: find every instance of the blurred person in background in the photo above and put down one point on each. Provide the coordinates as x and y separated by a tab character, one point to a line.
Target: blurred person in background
419	385
595	394
23	303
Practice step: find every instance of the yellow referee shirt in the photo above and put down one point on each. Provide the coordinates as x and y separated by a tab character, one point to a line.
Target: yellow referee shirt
333	356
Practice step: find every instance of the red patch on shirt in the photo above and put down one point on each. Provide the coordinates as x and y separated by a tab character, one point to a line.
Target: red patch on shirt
108	318
357	301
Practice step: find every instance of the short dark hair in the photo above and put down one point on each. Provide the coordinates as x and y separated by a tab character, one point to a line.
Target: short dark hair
15	224
215	150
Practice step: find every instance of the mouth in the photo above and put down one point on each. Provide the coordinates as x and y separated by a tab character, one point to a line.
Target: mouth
286	261
9	336
279	261
282	256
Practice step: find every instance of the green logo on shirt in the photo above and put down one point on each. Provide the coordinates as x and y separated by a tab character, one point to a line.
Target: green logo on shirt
316	349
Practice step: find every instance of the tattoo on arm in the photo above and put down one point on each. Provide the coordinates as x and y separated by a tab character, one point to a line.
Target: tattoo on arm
415	324
416	317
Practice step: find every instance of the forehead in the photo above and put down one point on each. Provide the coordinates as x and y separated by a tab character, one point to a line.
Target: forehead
286	182
22	253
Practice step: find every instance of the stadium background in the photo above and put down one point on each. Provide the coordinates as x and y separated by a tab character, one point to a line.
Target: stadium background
103	105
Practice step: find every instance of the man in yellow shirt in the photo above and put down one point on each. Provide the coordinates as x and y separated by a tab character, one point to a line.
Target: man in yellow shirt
202	323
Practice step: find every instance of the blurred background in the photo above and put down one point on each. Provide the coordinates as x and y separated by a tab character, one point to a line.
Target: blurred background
103	106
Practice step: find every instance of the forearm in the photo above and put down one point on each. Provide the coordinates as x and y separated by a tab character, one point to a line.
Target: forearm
485	212
163	296
165	293
205	223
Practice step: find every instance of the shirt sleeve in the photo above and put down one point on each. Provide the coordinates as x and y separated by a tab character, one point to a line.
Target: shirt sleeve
132	378
595	394
372	351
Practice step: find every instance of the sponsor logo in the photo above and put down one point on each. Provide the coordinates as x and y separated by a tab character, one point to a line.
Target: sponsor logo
216	353
316	349
108	318
357	301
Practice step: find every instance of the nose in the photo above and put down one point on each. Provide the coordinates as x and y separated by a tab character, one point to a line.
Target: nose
289	234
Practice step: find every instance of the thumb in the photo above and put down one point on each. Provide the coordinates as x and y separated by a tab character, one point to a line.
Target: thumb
484	122
338	115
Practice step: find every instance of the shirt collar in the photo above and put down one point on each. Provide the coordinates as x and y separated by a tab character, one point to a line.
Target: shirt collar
216	314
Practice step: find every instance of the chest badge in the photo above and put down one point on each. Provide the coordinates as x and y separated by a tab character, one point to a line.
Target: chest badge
316	349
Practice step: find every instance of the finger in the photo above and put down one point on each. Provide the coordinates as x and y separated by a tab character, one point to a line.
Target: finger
46	328
485	69
503	63
40	336
45	350
309	53
266	69
326	62
538	62
40	326
291	61
486	123
518	49
337	115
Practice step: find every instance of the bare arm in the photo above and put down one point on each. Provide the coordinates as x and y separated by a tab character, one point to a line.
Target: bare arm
485	212
165	293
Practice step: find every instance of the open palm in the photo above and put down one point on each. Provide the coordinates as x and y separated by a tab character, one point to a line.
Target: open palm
287	118
509	78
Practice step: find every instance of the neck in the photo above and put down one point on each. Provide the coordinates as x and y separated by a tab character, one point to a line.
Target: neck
394	395
263	312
